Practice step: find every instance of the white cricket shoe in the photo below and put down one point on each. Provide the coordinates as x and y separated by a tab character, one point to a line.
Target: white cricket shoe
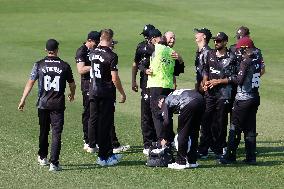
146	151
177	166
191	165
93	150
53	167
42	162
86	146
121	149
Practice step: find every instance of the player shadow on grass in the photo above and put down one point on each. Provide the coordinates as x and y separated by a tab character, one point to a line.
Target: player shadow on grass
71	167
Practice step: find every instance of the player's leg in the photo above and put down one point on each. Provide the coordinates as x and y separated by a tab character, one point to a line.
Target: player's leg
57	122
147	124
238	118
205	132
250	132
220	126
197	108
85	117
44	122
105	125
93	123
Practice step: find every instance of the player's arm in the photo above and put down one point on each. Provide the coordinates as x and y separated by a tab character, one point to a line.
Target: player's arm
134	74
82	69
27	90
239	79
116	81
72	87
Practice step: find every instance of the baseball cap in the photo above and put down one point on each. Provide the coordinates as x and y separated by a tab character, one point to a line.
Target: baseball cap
51	45
221	36
205	31
245	42
242	32
146	30
154	33
94	35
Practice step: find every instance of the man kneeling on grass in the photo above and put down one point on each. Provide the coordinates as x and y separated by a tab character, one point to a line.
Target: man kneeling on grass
190	106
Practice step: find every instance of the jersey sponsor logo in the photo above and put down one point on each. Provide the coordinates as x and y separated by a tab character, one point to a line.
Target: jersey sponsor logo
97	57
55	61
213	71
166	61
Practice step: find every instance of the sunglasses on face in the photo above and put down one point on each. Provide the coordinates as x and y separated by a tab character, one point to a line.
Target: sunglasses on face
218	41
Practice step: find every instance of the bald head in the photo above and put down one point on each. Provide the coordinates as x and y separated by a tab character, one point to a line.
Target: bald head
171	38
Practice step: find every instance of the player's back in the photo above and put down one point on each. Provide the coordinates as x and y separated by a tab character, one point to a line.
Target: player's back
52	75
103	60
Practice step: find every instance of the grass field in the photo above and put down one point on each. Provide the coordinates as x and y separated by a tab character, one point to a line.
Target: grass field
26	25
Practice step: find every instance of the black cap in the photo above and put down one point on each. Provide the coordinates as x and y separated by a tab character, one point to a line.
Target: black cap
205	31
242	32
154	33
94	35
221	36
51	45
146	29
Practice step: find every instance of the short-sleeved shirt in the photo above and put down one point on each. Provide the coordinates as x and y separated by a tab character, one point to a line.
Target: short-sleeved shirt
52	74
143	53
82	55
256	51
200	59
177	100
103	62
248	78
220	68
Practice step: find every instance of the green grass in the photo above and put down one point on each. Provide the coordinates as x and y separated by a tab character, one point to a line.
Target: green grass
27	24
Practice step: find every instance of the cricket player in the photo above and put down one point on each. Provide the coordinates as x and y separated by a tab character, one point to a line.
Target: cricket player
246	103
104	81
52	74
83	68
190	105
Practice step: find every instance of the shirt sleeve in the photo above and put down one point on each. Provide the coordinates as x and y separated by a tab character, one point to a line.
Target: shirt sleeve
137	56
34	72
113	63
69	78
205	71
80	56
239	79
179	67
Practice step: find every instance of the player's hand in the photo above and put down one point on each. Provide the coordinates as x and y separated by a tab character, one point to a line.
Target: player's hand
212	83
122	98
175	55
21	105
70	97
149	71
134	86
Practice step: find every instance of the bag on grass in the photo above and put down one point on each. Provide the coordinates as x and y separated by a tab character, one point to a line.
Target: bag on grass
159	157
